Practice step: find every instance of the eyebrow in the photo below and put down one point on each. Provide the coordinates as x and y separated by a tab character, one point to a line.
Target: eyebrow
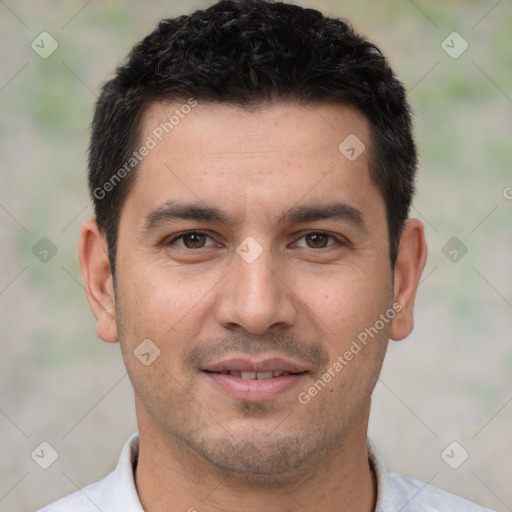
330	211
174	210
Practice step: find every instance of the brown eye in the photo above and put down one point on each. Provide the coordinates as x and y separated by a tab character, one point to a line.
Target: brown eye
194	240
317	240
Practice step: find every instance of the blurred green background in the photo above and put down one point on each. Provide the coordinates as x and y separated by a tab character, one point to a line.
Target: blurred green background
450	381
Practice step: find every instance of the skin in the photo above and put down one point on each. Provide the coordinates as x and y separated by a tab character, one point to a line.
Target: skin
303	298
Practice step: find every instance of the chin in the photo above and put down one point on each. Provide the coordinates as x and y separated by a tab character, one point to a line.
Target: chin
261	457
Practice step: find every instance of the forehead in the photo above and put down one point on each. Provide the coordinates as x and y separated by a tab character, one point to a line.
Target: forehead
301	129
234	158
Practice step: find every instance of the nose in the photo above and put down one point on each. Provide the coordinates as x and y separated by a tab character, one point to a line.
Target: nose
257	297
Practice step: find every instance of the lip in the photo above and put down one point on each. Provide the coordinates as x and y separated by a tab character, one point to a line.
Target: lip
255	390
263	365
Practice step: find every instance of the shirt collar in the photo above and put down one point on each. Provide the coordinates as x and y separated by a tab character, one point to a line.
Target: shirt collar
122	481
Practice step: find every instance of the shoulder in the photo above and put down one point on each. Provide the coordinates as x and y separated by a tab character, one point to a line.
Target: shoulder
400	493
115	493
83	500
416	496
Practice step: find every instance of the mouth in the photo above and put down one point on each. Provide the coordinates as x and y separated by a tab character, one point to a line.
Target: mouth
255	381
255	375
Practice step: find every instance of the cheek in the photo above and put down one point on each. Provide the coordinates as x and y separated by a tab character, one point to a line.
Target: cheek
157	300
345	301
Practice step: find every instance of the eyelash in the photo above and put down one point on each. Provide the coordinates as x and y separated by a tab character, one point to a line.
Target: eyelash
185	233
182	235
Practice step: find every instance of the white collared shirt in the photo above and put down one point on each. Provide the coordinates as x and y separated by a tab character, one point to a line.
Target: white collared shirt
395	493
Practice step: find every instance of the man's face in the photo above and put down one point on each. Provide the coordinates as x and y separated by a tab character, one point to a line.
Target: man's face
288	265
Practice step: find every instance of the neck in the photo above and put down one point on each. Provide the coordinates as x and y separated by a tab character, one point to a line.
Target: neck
170	473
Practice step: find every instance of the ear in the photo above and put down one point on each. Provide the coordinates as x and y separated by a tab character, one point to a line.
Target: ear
94	262
412	254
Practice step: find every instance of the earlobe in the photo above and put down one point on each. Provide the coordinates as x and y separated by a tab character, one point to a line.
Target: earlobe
95	266
412	254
